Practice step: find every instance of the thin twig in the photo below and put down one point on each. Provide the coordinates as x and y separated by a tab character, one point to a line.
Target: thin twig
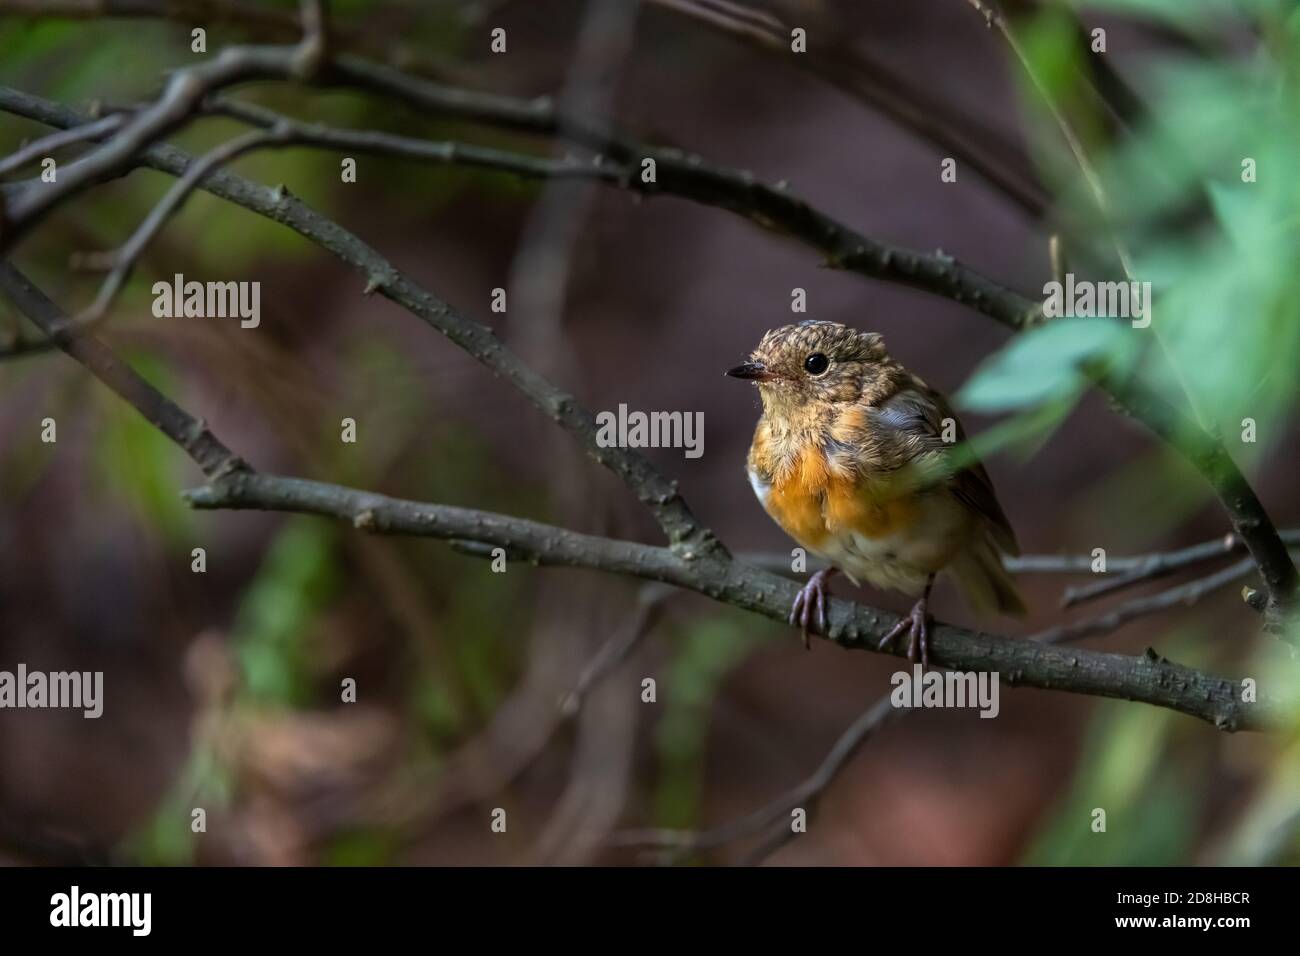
998	161
1122	570
442	152
123	260
190	433
649	605
1113	619
314	50
178	103
771	813
40	148
1163	563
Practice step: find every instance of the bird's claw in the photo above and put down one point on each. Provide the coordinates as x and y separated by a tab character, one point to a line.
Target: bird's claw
810	604
917	626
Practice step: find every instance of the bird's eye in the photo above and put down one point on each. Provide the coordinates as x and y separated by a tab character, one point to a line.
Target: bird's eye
817	363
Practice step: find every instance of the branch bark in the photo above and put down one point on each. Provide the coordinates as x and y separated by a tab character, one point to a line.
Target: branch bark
190	433
1150	679
1138	569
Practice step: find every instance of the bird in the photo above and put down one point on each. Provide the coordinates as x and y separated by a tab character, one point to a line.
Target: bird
854	458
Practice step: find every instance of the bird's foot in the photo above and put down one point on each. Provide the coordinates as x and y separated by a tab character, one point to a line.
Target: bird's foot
917	624
810	604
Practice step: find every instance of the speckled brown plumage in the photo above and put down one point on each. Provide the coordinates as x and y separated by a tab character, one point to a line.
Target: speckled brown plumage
850	459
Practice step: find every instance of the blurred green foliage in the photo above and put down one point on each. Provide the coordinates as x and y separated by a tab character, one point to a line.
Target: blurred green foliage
709	649
272	628
1153	774
167	837
1132	768
1198	195
1150	808
1219	251
1268	831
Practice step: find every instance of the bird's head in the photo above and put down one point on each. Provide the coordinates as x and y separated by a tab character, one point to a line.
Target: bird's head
814	364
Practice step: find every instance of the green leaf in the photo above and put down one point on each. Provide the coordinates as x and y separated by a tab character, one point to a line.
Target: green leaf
1046	364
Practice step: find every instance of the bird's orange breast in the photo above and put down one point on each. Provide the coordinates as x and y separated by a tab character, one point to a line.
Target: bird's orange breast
813	501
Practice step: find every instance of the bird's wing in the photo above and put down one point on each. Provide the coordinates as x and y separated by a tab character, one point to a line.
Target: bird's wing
917	415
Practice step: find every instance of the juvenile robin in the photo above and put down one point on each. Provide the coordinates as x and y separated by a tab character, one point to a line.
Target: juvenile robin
849	458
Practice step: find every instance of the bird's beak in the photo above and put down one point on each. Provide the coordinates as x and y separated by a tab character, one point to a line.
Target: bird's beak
753	371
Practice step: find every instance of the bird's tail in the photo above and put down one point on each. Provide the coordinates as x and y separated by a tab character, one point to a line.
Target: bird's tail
984	582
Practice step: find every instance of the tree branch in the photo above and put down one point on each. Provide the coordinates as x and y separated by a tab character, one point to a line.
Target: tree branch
1149	567
443	152
173	109
1120	568
40	148
724	579
688	176
123	260
1183	594
640	622
190	433
773	817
